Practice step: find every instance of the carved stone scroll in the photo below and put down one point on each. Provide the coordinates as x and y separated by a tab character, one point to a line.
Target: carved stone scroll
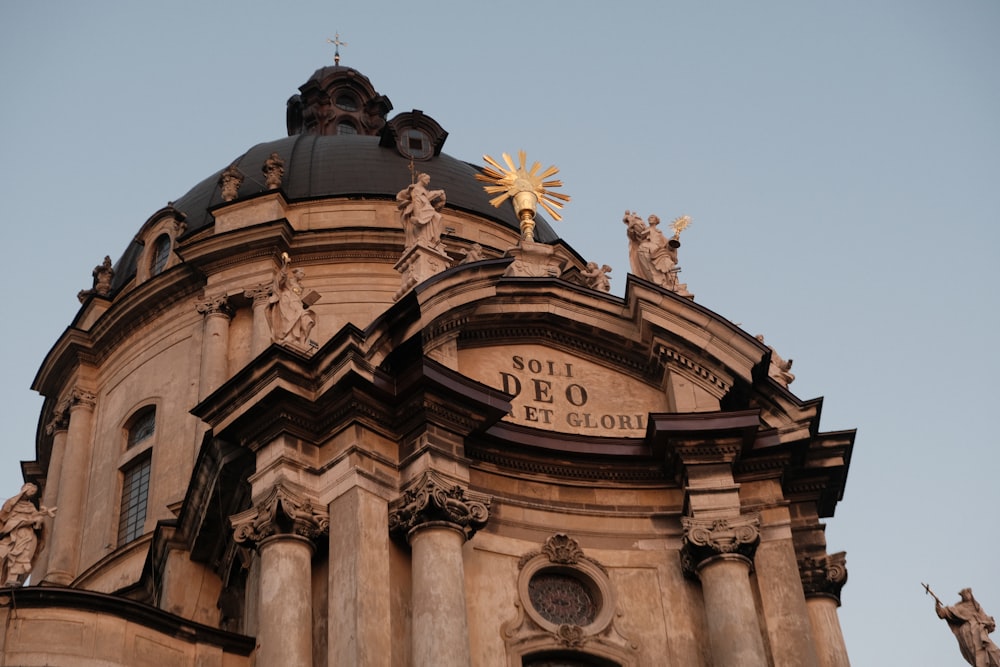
824	575
433	500
281	513
708	538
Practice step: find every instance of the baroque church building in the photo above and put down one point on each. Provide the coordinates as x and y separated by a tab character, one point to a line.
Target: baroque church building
352	401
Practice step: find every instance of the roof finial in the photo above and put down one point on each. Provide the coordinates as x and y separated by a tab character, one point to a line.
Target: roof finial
336	47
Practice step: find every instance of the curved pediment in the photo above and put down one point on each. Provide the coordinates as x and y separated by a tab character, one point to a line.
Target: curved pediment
558	391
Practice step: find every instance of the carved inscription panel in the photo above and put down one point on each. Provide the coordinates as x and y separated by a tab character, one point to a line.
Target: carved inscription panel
560	392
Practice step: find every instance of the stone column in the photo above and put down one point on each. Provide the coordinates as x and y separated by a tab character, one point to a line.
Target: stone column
782	600
436	519
74	477
282	527
214	345
360	586
720	551
50	498
823	577
261	336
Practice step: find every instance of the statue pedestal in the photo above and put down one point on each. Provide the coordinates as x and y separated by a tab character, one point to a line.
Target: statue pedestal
534	260
418	263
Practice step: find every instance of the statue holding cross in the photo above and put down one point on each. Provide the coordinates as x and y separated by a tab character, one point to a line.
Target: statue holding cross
971	627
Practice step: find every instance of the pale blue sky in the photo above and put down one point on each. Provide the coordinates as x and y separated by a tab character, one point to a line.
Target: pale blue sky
840	161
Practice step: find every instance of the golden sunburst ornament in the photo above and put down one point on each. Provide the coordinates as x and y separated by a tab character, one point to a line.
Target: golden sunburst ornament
680	224
526	187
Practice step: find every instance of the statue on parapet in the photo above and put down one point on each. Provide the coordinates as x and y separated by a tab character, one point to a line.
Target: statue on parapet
230	181
652	256
420	213
289	307
596	277
473	254
21	535
274	171
102	273
779	369
971	627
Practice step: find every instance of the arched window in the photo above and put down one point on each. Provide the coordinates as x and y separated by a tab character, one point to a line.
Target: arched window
344	127
346	102
161	253
141	426
135	496
135	474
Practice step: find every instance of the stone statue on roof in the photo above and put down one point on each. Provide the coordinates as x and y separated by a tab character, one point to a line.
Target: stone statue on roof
21	532
596	277
971	627
102	273
230	181
653	257
274	171
420	213
289	307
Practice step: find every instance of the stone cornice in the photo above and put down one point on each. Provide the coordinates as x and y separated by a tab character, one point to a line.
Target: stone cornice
81	601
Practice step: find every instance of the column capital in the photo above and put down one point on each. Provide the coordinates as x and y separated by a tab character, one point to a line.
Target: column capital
60	418
281	512
258	294
79	398
433	500
217	305
824	575
705	539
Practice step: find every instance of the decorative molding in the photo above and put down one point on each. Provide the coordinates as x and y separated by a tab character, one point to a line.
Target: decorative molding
432	499
570	470
824	576
560	549
532	630
705	539
669	356
280	513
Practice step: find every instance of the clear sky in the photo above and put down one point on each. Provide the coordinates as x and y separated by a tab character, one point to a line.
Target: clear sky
840	162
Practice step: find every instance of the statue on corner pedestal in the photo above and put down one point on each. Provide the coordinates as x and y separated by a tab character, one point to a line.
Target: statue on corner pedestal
971	627
289	307
420	213
21	532
652	256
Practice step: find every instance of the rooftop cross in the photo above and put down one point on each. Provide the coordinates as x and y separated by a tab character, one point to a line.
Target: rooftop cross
336	47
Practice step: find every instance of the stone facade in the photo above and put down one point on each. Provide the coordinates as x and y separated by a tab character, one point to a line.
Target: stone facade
478	468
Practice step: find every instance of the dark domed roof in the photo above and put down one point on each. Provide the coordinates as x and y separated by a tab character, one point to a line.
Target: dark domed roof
348	166
341	165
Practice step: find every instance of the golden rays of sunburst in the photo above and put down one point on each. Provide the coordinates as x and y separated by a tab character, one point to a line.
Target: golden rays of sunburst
509	181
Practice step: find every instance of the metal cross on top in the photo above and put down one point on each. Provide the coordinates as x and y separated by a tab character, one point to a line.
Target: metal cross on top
336	47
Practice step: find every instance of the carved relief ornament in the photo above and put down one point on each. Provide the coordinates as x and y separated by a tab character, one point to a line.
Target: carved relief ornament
280	513
708	538
565	599
823	576
560	549
433	500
